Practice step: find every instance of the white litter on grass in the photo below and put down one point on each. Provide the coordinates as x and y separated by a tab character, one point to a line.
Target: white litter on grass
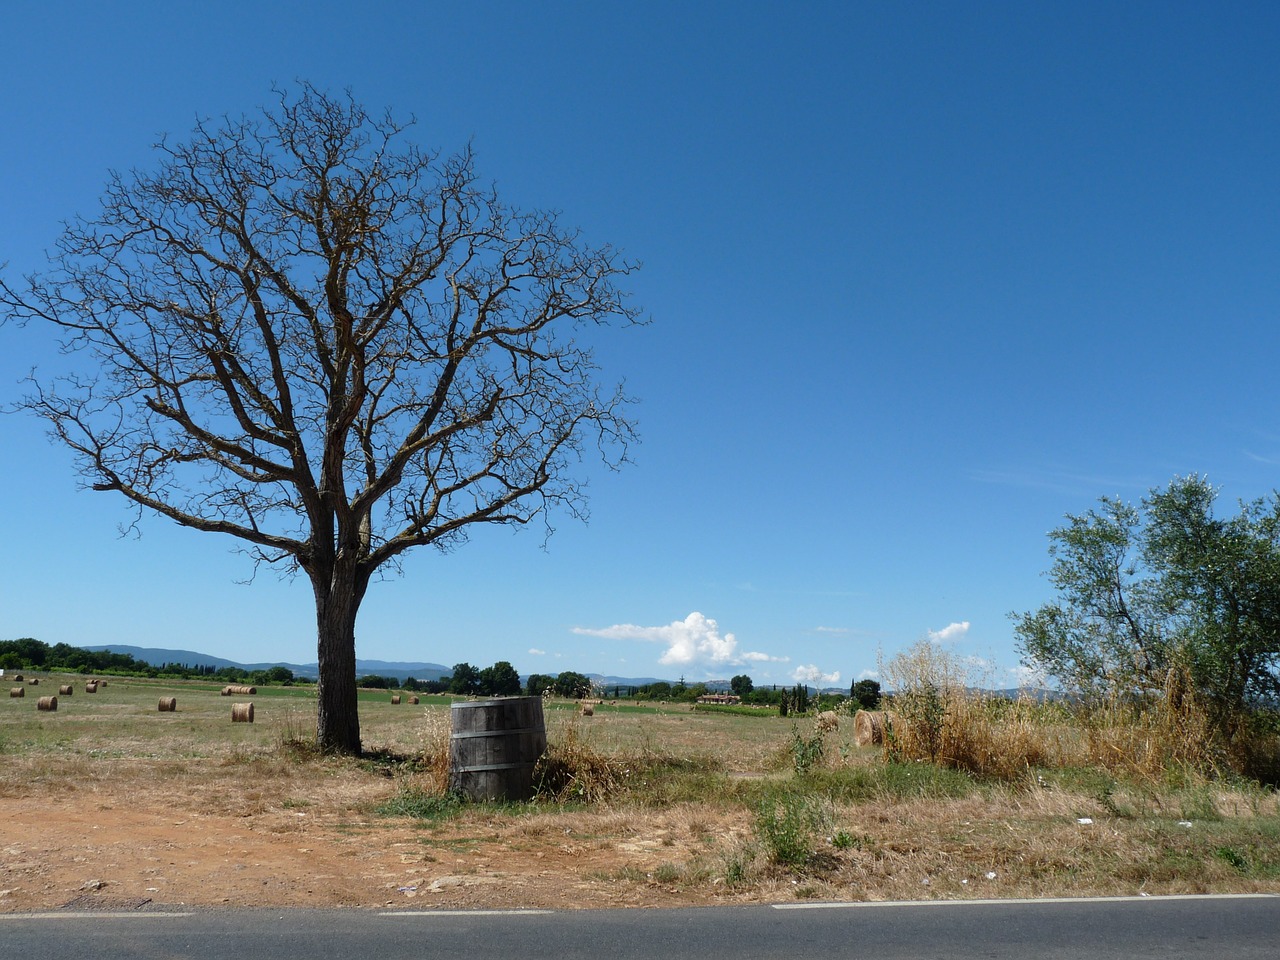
991	874
1184	823
1085	820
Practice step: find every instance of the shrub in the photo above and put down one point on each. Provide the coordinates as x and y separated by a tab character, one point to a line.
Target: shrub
787	827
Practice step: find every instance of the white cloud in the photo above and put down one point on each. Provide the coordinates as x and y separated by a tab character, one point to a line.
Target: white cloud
535	652
952	631
811	674
695	639
764	658
869	675
831	630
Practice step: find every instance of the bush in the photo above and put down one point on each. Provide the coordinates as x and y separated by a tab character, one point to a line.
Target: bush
787	827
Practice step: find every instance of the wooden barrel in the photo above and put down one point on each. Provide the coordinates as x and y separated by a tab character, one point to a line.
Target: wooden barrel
64	690
168	704
493	747
242	713
47	703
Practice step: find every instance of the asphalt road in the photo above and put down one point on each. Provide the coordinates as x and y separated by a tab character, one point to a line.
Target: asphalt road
1170	928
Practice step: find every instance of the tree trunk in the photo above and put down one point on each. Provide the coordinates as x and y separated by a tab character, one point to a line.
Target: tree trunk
337	717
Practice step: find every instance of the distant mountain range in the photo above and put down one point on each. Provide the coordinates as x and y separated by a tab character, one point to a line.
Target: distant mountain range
399	670
158	657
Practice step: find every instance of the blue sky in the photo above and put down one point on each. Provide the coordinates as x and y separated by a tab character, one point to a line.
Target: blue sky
923	278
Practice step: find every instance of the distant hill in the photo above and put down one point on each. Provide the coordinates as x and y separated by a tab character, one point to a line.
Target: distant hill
421	671
158	657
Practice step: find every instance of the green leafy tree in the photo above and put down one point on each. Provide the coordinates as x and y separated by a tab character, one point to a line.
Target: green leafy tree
1162	586
661	690
741	685
499	680
866	693
30	651
465	680
538	684
800	699
571	685
302	331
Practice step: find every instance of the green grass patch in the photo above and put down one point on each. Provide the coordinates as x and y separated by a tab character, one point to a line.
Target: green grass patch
421	806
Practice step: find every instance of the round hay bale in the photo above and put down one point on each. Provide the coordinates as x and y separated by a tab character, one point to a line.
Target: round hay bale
414	700
225	692
90	687
588	710
64	690
868	727
17	678
827	721
395	699
34	681
17	691
242	713
168	704
251	691
47	703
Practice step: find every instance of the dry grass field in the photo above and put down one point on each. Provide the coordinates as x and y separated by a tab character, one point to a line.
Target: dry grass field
110	802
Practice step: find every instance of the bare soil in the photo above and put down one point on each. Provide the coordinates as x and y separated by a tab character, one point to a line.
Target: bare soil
105	806
259	835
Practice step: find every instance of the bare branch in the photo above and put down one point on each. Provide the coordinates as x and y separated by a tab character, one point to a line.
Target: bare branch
302	331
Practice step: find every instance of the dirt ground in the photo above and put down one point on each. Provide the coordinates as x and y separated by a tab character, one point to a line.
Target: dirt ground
140	820
138	837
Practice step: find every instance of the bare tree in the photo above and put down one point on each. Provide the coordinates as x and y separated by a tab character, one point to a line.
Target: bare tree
309	334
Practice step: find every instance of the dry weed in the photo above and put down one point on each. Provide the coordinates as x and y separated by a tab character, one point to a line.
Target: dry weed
573	770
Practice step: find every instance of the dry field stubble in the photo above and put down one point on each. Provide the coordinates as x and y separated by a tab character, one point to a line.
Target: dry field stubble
112	799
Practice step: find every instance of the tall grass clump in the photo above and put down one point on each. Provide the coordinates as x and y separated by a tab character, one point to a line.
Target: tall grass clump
573	770
939	713
433	764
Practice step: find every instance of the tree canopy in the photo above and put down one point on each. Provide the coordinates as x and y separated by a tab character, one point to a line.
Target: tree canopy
304	331
1164	586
